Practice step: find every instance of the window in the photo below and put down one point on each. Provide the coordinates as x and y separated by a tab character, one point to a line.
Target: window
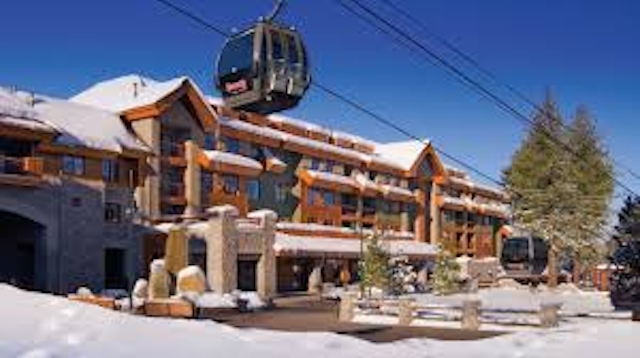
232	145
314	164
110	170
312	195
253	189
237	55
210	142
112	212
329	198
73	165
329	166
231	184
282	192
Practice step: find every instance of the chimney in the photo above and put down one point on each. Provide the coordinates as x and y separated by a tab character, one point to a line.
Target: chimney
135	89
31	99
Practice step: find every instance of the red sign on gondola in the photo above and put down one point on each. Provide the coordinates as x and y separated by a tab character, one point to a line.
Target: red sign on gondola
236	87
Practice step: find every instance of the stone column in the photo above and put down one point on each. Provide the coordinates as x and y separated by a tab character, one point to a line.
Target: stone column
405	314
192	180
549	315
222	249
266	275
471	315
347	307
315	281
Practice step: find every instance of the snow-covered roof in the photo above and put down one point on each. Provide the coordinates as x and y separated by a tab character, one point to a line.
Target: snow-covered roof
232	159
321	146
77	125
85	126
307	244
404	154
127	92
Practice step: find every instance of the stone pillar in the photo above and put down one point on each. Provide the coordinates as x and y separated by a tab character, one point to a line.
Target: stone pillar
405	314
471	315
148	198
347	307
266	275
222	249
549	315
192	180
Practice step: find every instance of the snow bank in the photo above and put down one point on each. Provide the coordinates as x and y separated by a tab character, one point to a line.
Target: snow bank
46	326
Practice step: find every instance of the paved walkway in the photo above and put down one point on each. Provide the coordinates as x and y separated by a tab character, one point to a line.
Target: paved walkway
310	314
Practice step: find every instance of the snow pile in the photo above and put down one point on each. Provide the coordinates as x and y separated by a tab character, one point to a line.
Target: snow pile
405	154
48	326
224	300
573	302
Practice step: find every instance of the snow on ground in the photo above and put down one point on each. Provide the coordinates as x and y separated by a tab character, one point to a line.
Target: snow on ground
38	325
574	302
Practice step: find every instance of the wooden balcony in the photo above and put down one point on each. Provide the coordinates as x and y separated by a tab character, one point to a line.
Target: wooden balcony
174	154
389	221
325	214
25	171
238	199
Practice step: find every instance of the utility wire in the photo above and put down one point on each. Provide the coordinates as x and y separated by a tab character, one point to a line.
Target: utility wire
483	70
345	99
185	12
460	76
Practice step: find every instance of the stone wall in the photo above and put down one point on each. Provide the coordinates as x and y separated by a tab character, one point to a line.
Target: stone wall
76	234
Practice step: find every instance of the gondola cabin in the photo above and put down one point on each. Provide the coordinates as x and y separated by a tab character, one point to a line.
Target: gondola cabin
263	69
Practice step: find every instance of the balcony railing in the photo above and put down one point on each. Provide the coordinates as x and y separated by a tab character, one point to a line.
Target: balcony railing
25	171
21	166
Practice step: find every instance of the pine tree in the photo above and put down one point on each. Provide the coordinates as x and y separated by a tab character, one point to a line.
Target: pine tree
539	179
593	178
625	283
375	265
446	273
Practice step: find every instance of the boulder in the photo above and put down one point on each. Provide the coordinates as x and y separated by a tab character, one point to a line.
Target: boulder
141	289
191	279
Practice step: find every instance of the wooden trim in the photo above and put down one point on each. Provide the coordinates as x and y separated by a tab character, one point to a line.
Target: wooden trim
25	134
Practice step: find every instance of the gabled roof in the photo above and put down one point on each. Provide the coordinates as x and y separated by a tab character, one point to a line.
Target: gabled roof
136	97
409	154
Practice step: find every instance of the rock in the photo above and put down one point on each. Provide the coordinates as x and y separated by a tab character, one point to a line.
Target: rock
141	289
315	280
158	280
84	292
191	279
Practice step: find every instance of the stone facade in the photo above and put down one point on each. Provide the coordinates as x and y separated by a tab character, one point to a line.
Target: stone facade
71	250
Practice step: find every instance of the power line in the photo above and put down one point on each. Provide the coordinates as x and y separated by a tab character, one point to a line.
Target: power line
476	64
193	17
185	12
359	107
460	76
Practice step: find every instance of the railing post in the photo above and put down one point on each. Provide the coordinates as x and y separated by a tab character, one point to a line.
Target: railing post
471	315
549	315
405	314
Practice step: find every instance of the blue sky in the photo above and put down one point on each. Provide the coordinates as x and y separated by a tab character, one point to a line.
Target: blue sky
585	51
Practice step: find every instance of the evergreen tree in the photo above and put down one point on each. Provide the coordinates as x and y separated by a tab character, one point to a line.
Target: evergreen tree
374	269
447	272
625	283
593	178
539	179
